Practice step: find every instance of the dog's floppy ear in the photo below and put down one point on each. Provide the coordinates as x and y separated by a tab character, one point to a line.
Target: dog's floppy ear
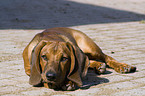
79	64
35	75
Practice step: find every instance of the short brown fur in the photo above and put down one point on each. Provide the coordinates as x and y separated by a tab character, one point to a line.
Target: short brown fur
67	53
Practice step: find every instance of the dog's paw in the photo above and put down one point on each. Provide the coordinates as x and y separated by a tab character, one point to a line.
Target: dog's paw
125	68
70	86
101	68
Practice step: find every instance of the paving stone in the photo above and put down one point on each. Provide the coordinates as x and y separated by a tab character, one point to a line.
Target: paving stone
140	80
133	92
125	38
121	85
136	74
11	95
60	95
9	90
24	85
40	92
6	82
116	78
3	76
85	92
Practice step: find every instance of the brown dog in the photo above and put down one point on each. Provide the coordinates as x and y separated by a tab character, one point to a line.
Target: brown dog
60	57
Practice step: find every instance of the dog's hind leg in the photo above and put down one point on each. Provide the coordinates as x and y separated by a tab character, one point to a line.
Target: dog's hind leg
119	67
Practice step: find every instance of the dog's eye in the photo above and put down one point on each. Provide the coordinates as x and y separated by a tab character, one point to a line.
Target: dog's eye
63	59
44	57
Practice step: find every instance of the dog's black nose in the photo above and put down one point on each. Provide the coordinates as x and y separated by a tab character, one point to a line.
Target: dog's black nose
50	76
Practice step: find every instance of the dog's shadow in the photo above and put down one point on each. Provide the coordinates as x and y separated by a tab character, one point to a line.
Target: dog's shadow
93	79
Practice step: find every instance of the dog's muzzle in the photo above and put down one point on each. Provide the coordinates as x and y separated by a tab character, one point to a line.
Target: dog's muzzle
50	76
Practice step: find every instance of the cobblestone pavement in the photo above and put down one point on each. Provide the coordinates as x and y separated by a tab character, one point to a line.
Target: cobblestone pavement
125	39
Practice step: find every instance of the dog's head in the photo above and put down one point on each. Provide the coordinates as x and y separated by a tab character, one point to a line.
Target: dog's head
56	62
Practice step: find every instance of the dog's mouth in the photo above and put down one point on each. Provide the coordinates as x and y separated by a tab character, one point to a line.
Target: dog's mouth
46	80
54	85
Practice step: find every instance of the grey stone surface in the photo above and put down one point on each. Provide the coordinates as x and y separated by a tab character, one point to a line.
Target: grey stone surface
122	32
